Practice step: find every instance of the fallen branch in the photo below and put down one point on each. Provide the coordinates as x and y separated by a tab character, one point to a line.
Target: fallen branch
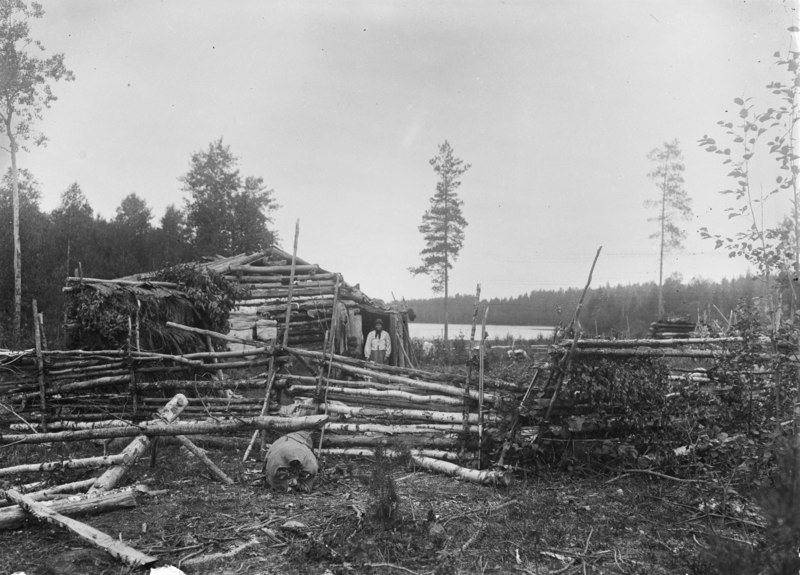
212	467
221	555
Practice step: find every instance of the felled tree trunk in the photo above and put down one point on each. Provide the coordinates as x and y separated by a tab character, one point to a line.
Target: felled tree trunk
14	516
442	388
138	446
114	547
395	429
83	463
418	441
158	428
485	477
382	396
406	414
367	452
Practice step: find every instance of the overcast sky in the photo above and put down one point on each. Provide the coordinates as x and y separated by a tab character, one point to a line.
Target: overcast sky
340	105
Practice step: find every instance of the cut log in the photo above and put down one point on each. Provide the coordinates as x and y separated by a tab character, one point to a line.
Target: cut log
137	447
395	429
64	425
82	463
387	395
365	452
406	414
63	488
427	385
156	429
217	335
271	270
432	440
486	477
581	343
14	516
647	352
114	547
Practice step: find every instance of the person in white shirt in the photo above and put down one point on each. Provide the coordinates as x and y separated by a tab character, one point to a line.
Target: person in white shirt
379	345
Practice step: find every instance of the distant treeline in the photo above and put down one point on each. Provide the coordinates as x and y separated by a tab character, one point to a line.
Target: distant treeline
623	310
220	216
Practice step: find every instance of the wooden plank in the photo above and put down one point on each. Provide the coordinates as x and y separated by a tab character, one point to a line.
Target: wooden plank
112	546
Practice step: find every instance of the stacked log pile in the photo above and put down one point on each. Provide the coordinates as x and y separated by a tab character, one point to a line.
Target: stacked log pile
426	413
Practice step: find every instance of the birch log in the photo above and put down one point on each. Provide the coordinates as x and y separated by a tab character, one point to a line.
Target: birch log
83	463
14	516
486	477
366	452
138	446
395	429
148	429
114	547
413	414
427	385
387	395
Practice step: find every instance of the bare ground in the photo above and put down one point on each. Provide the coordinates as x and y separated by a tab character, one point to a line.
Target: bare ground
545	523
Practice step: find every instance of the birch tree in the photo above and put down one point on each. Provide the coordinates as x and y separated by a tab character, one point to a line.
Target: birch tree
26	78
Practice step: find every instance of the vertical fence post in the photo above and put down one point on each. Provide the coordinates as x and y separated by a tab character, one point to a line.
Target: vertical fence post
37	339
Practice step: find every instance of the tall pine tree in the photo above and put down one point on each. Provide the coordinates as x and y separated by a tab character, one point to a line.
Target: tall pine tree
673	204
443	225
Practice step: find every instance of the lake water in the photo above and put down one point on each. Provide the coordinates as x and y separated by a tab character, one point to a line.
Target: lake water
429	331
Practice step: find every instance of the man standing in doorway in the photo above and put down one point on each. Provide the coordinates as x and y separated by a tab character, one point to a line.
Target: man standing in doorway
379	345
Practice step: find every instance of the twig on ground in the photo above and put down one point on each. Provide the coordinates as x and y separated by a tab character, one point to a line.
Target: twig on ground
588	539
472	539
477	511
222	554
392	566
563	569
662	475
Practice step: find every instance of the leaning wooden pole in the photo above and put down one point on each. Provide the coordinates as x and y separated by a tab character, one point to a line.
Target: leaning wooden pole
512	429
469	366
264	407
291	285
37	339
115	547
481	361
567	361
334	326
200	454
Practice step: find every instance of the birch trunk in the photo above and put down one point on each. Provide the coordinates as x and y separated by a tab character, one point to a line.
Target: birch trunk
14	516
486	477
113	547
